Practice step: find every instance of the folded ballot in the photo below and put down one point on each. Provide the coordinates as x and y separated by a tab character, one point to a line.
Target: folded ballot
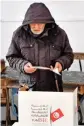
47	68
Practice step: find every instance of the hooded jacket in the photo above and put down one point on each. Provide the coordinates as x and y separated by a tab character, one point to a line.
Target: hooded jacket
44	50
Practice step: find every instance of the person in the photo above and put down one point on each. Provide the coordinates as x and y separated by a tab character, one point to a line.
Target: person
39	41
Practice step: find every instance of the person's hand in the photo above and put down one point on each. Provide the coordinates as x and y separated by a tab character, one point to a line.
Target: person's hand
28	68
57	65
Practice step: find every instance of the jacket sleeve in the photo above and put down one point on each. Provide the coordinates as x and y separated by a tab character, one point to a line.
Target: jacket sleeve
14	57
67	54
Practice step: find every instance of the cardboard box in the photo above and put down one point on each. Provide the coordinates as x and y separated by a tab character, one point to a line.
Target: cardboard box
48	108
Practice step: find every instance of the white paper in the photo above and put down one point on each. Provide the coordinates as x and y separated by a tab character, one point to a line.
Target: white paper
40	67
47	68
56	71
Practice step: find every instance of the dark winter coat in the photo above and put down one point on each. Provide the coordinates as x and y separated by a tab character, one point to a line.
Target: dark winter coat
44	50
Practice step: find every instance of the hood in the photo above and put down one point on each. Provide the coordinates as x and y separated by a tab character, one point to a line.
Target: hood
38	13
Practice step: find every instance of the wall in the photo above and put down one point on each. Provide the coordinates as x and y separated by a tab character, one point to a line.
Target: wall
68	14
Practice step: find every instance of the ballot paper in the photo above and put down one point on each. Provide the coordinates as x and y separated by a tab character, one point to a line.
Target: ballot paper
47	68
56	71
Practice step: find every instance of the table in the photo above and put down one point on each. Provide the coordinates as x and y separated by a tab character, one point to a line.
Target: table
6	84
11	85
74	78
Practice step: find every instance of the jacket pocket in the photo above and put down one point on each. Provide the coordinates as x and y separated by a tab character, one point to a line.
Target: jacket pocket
55	51
27	51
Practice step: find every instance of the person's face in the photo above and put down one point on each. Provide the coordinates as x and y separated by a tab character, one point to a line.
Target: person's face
37	28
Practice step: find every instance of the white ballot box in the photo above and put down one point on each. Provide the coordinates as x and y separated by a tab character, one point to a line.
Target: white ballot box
47	109
16	124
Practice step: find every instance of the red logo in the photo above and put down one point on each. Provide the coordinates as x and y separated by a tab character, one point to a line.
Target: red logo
57	114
